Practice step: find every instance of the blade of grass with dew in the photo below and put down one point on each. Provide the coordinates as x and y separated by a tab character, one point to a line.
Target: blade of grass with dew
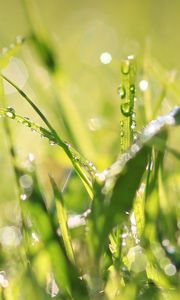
62	218
84	168
9	52
74	158
115	193
127	94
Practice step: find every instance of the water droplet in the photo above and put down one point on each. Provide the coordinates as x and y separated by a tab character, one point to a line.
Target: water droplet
133	125
122	133
133	115
76	158
23	197
121	91
52	143
68	145
121	123
135	136
100	177
26	123
125	66
11	112
126	109
132	88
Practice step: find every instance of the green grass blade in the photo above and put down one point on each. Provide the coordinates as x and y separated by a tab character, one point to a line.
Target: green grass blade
120	182
127	94
75	159
62	219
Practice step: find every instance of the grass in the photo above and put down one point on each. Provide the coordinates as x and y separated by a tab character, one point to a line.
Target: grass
125	242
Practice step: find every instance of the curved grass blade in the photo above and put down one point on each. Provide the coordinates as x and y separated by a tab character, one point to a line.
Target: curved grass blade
114	195
75	158
62	219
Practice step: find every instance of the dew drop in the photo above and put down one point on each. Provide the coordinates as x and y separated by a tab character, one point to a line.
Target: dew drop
135	136
121	123
125	66
126	109
133	125
132	88
133	115
26	122
52	143
11	112
122	133
23	197
76	158
121	91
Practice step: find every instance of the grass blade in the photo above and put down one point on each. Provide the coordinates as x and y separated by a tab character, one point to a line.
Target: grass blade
62	219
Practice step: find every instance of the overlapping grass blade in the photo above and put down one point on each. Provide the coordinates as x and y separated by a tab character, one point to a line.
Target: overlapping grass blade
121	181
